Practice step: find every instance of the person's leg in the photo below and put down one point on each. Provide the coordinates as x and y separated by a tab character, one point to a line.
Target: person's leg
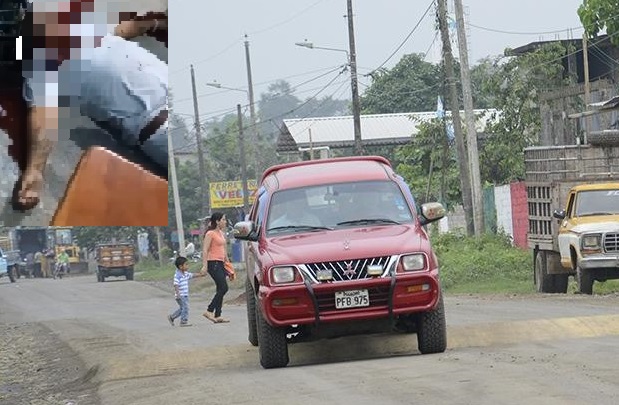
177	313
184	309
156	146
218	274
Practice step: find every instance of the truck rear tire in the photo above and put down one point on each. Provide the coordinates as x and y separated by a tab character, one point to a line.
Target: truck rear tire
584	280
544	282
432	330
272	344
251	313
129	273
11	274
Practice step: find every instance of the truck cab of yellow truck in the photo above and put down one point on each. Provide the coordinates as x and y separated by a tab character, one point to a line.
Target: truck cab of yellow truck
588	236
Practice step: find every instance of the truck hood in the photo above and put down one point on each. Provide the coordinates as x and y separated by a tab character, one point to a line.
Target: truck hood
601	223
345	244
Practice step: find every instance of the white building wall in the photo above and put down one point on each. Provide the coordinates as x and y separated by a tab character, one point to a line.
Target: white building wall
503	203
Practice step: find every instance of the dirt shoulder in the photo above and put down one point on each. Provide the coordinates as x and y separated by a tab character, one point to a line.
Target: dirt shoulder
37	368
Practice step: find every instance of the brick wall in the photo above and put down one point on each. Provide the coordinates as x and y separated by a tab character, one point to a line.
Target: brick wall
520	213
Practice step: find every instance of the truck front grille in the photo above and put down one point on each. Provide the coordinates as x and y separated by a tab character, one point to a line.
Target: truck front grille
345	270
611	242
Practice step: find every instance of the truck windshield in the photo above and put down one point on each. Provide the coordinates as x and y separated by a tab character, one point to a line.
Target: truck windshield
597	202
332	206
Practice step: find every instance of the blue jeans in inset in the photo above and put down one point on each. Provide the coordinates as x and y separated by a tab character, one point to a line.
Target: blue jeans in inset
183	309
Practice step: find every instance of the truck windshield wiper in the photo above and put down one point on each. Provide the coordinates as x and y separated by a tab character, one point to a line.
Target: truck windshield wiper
300	228
592	214
369	221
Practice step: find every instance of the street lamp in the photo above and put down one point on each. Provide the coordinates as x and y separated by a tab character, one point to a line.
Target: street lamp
356	109
311	45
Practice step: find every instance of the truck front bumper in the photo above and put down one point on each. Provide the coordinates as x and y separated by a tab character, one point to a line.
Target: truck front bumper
315	303
599	261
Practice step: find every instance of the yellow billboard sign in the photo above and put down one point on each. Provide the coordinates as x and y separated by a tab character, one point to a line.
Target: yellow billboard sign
229	194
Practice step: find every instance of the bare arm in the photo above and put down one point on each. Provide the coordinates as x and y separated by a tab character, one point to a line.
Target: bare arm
132	26
206	245
42	134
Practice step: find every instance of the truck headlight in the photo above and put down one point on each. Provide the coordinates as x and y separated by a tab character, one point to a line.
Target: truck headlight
414	262
591	241
281	275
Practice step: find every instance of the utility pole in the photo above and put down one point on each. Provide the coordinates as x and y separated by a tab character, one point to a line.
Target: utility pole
465	183
255	155
159	245
356	108
471	133
177	201
198	128
250	90
243	162
585	60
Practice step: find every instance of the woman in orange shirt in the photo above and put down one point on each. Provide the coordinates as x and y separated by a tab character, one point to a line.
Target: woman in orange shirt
214	253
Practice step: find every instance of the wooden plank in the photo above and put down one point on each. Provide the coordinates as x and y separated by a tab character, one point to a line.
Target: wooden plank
108	190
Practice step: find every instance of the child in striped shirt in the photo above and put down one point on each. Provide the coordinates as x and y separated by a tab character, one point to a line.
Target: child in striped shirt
181	290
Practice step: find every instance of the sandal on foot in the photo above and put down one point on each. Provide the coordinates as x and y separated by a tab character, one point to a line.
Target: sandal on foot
210	316
221	320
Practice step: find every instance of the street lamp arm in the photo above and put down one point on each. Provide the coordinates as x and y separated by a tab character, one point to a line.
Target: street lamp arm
311	45
219	86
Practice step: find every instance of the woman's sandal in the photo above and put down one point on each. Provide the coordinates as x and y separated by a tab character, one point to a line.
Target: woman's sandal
210	316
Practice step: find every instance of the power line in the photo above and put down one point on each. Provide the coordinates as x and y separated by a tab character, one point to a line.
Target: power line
523	33
331	70
241	39
405	39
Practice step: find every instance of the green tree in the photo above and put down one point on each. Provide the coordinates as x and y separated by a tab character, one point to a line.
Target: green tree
597	15
90	236
515	87
428	164
411	85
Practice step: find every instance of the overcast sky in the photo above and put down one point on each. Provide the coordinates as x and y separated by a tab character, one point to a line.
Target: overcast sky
209	35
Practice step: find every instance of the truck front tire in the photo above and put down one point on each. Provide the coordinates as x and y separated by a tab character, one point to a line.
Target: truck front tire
432	330
11	274
251	313
272	344
584	280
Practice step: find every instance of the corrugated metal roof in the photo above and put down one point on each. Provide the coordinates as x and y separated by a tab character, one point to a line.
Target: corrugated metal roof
376	129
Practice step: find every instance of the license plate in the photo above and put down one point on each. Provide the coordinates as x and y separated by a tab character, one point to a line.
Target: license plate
352	299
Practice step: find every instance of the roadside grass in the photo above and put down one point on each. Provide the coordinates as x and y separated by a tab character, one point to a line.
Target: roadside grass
488	264
149	270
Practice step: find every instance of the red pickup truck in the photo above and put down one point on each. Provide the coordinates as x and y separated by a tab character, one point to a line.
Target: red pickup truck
337	247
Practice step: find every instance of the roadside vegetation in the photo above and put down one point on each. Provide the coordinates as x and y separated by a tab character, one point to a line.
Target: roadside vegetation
468	265
490	264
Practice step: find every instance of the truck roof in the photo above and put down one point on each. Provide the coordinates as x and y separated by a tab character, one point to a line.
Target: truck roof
595	186
336	170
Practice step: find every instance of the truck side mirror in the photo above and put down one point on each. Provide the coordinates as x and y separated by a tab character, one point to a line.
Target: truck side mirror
559	214
245	230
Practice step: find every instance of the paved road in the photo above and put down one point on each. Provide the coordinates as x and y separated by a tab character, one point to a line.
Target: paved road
538	349
78	134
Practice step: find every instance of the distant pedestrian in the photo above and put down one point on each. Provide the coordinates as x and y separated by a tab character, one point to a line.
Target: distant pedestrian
181	290
38	271
214	254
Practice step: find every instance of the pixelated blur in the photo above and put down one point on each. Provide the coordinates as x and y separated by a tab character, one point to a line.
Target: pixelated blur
83	110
